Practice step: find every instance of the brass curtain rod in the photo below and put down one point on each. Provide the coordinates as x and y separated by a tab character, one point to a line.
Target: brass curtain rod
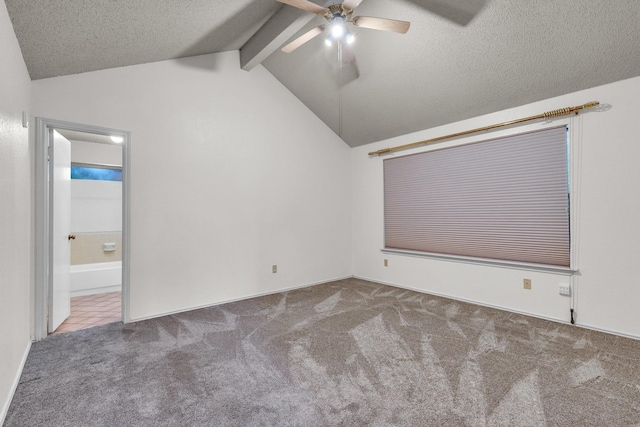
549	114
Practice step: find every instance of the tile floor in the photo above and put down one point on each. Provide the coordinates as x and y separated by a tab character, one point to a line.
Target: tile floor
92	310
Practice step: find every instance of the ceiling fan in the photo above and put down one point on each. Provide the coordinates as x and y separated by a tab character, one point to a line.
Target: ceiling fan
337	15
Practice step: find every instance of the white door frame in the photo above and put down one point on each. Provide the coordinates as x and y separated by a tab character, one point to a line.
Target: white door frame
43	216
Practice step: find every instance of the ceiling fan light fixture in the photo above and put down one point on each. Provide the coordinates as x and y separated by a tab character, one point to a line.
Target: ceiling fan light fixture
337	29
337	15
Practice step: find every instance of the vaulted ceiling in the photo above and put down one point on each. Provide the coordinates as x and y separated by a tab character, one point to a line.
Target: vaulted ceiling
460	58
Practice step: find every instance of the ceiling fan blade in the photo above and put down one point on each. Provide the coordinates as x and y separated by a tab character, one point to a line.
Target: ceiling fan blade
350	4
459	11
305	5
303	39
381	24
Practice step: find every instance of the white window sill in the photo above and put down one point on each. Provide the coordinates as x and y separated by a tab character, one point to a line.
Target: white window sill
484	261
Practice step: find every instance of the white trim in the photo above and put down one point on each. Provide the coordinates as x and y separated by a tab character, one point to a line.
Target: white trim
575	197
95	291
608	331
42	217
501	308
14	385
261	294
41	232
483	261
126	227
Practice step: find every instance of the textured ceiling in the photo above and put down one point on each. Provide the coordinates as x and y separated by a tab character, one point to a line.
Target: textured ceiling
513	52
60	37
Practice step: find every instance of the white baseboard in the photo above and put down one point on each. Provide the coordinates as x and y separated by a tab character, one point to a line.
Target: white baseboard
14	385
451	297
607	331
497	307
93	291
261	294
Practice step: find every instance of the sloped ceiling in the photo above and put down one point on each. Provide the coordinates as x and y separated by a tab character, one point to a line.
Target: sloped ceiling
511	53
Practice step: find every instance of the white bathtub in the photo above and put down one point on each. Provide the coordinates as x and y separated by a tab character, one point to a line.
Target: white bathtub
87	279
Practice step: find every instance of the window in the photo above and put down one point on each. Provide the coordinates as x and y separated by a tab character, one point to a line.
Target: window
503	199
96	172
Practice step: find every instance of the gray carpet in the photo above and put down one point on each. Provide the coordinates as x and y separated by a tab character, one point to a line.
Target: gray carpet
346	353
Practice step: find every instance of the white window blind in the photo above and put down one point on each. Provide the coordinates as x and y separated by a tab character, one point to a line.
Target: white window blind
503	199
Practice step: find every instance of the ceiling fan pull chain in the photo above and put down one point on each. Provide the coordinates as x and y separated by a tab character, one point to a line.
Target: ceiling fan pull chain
339	88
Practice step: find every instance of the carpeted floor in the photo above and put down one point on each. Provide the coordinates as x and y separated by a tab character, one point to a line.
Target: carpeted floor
349	353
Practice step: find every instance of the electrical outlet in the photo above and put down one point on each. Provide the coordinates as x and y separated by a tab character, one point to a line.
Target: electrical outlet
274	268
526	283
564	289
386	263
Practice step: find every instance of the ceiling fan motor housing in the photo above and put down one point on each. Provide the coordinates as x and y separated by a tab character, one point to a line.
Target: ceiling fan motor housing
337	11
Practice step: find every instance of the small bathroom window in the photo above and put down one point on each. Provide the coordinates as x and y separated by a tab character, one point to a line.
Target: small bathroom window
96	172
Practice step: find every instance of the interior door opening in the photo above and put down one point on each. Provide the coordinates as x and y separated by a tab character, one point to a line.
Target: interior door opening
89	235
82	226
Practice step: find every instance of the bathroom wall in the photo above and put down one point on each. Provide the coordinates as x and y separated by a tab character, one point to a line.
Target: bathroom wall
96	206
87	248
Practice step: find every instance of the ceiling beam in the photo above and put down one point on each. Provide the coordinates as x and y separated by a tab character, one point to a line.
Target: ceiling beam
273	34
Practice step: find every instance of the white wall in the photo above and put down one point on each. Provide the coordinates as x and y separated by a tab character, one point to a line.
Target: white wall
15	213
230	174
96	206
606	292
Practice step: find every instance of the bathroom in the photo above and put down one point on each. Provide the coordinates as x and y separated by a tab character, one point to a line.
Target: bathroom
96	231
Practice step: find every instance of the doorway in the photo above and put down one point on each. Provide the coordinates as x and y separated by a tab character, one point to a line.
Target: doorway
59	244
